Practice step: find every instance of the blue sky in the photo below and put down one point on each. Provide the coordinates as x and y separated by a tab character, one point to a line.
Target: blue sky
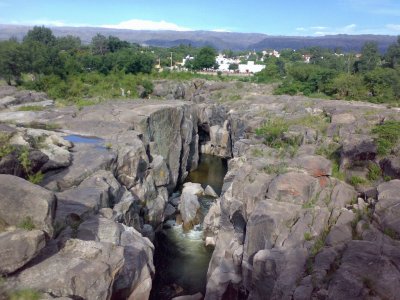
279	17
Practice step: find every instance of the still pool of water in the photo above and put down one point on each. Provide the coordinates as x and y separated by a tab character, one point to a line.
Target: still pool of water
79	139
181	258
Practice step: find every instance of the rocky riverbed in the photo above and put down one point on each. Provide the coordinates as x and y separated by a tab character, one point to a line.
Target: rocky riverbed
312	214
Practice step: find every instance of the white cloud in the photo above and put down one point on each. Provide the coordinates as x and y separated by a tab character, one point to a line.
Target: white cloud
324	30
137	24
46	22
221	30
319	28
393	27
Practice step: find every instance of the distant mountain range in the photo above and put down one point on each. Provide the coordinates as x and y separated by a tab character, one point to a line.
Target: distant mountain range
219	40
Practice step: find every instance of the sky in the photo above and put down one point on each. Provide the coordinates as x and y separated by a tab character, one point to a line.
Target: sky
279	17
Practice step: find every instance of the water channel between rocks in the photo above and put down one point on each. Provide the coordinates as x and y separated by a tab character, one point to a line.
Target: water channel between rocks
181	257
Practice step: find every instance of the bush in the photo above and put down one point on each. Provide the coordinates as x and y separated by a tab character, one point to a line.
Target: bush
272	132
388	135
27	224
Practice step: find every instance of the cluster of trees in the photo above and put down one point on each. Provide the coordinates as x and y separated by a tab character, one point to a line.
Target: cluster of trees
41	53
64	67
371	76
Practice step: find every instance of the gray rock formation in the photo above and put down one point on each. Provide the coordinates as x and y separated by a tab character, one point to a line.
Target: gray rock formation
22	202
18	248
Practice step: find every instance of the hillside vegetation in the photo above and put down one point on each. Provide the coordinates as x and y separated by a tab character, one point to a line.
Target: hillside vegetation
67	70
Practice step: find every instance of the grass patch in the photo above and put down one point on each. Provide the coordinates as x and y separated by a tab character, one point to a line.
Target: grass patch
5	147
391	233
36	178
24	295
275	169
307	236
272	132
31	108
332	152
374	172
27	224
357	180
44	126
388	135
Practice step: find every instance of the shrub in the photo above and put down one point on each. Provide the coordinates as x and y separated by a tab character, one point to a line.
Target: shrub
27	224
374	172
272	132
388	135
357	180
36	178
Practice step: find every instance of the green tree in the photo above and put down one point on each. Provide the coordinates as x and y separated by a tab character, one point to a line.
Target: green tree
233	67
68	43
12	62
41	35
205	59
392	56
348	86
99	45
115	44
383	84
369	57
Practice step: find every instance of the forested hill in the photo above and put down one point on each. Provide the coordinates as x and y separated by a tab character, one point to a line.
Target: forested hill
219	40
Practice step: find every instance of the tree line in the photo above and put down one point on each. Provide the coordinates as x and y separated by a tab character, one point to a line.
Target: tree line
369	76
65	68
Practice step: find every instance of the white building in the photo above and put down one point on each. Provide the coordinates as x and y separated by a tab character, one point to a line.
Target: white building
250	67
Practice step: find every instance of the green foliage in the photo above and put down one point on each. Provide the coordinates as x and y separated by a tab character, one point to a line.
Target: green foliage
332	152
279	168
307	236
40	34
348	86
374	172
369	57
36	178
319	243
31	108
204	60
272	132
24	295
5	147
391	233
388	135
12	62
24	159
357	180
27	224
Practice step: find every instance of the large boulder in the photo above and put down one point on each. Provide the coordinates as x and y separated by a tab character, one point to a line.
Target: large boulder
189	204
315	165
81	270
293	187
135	278
220	141
391	166
18	247
357	149
101	190
387	209
22	201
367	268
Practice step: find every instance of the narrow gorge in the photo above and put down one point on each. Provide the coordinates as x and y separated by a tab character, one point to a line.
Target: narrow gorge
195	191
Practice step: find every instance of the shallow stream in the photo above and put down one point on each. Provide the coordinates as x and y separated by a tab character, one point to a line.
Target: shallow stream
181	257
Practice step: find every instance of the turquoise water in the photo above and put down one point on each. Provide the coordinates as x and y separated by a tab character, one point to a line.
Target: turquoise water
181	258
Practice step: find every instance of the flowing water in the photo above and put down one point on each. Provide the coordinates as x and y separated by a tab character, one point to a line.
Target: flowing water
181	257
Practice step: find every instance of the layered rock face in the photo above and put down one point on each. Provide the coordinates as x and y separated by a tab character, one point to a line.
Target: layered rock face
288	224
